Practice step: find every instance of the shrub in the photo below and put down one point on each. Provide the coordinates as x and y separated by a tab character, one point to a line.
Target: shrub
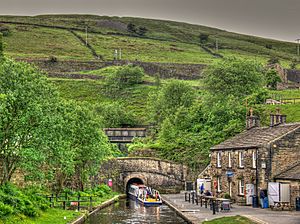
126	76
5	209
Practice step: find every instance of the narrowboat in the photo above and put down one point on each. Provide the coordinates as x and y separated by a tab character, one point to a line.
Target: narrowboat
144	195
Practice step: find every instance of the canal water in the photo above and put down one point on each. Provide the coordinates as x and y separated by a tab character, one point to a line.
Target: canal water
131	212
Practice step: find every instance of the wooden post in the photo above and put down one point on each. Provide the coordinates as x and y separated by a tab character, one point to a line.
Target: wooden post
91	203
78	204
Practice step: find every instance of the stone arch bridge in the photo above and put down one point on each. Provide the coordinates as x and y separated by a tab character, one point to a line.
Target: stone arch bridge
160	174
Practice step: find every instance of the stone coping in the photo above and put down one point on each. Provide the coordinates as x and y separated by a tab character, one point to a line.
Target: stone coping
84	217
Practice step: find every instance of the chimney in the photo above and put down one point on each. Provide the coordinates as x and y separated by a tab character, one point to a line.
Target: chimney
252	121
277	118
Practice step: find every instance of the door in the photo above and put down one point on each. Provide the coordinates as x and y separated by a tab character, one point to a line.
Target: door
273	192
249	193
203	184
284	192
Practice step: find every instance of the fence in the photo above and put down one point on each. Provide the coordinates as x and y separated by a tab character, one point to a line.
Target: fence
71	201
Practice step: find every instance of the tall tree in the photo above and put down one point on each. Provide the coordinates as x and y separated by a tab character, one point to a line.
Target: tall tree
26	98
234	76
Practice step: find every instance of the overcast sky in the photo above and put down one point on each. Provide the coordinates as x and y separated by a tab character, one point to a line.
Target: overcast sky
277	19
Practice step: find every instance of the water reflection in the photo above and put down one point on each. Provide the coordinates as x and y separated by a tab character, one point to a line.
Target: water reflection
130	211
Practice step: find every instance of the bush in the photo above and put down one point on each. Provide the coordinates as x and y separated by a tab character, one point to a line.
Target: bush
126	76
5	210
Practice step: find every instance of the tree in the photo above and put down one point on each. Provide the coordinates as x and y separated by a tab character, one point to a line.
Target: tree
272	78
124	77
142	31
131	28
26	98
233	76
169	98
203	37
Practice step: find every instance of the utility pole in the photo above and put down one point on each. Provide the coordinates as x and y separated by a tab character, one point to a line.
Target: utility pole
86	36
217	45
298	47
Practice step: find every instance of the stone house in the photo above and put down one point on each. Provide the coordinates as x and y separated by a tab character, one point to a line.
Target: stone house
255	157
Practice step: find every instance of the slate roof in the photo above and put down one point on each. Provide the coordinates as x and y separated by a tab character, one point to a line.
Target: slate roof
292	173
256	137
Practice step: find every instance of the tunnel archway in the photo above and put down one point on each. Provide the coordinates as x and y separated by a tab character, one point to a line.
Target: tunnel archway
134	180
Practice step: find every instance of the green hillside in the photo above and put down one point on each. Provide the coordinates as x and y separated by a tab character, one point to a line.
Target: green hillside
165	41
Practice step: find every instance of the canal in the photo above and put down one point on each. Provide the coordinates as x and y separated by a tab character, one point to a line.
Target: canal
131	212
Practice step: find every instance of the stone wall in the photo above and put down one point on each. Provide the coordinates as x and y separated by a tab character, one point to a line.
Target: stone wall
165	70
162	175
285	152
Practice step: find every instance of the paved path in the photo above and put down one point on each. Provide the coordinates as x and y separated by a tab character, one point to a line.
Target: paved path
197	214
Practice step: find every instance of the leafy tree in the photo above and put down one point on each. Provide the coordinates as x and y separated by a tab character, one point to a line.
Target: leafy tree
233	76
126	76
131	28
169	98
26	98
114	115
203	37
272	78
294	64
142	31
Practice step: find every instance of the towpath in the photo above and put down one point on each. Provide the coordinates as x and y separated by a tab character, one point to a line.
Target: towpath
197	214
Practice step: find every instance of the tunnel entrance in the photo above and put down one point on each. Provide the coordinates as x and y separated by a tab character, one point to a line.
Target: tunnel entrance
134	180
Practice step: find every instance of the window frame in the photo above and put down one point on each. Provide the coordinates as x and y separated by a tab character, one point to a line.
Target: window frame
229	160
241	187
241	159
219	159
219	189
254	159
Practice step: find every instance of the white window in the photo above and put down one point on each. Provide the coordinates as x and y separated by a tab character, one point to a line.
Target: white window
219	184
229	159
241	187
241	159
218	159
254	156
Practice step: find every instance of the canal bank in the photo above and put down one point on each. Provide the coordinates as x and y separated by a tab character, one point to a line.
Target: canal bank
109	202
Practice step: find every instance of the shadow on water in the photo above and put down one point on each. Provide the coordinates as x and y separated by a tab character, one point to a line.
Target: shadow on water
131	212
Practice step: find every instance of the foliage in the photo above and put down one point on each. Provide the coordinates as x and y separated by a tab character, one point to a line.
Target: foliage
15	201
114	114
233	76
27	97
4	30
203	38
49	138
169	98
272	78
131	28
1	47
142	31
124	77
273	61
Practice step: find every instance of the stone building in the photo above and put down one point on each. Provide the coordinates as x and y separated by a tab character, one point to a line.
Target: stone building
255	157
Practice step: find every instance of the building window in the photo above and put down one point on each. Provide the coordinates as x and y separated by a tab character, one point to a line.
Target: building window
229	159
218	159
254	156
219	184
241	159
241	187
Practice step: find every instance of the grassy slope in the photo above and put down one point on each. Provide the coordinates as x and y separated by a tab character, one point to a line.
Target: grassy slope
37	42
230	220
230	43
